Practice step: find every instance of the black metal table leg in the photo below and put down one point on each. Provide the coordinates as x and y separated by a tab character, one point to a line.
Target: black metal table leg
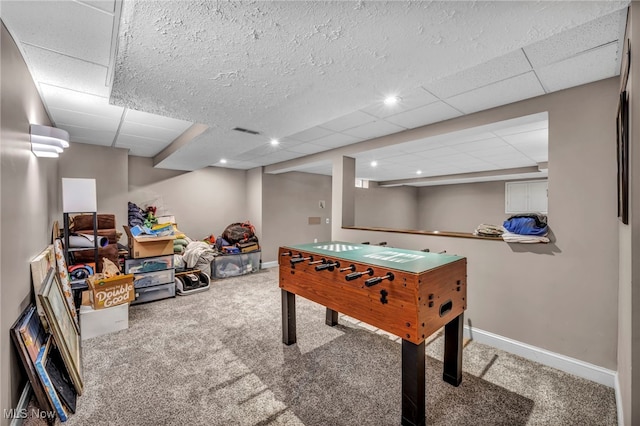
332	317
413	385
453	351
288	318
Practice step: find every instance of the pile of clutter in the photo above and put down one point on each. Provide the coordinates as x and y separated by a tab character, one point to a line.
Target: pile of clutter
519	228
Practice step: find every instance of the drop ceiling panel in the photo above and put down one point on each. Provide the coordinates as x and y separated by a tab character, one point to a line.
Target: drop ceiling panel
256	153
529	127
89	121
348	121
311	134
336	140
470	147
463	137
437	153
147	119
504	92
275	157
373	130
410	99
540	137
71	28
594	65
90	136
569	43
106	5
130	128
64	71
58	97
243	165
422	116
128	141
501	68
307	148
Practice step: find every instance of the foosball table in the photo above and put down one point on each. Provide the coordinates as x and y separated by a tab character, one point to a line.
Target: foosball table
410	294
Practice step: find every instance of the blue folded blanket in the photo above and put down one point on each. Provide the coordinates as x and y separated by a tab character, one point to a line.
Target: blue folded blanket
526	225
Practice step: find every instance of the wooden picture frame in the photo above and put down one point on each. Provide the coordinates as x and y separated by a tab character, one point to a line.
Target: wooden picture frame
622	131
29	325
63	328
40	266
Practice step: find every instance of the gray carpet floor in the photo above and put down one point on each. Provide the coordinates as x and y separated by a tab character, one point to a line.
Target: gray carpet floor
216	358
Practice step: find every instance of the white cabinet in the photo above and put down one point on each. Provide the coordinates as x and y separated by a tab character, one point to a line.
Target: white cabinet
526	197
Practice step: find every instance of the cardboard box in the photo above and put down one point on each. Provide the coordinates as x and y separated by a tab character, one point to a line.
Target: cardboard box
148	246
108	292
94	323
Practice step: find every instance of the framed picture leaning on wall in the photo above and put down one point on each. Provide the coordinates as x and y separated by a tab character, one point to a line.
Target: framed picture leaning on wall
62	327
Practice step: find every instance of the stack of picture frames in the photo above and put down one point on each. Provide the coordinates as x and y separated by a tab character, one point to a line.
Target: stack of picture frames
48	340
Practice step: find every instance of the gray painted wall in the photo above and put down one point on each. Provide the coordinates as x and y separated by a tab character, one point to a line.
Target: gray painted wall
563	296
460	208
395	207
29	197
108	166
203	202
288	200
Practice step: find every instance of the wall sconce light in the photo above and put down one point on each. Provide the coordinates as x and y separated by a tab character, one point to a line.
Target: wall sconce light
48	141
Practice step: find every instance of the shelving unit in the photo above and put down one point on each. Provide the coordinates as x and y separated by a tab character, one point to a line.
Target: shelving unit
79	285
67	249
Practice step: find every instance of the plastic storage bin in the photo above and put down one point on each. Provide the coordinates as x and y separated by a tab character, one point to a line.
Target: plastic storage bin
233	265
149	294
148	264
153	278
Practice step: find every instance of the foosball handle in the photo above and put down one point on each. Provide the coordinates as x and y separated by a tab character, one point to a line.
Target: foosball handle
377	280
356	275
328	266
300	259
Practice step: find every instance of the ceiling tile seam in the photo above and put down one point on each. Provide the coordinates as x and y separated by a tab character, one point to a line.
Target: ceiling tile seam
115	137
577	54
81	92
64	54
490	84
418	107
526	155
113	47
82	112
359	110
90	6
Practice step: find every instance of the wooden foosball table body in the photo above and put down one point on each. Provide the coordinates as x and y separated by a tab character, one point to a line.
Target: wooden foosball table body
410	294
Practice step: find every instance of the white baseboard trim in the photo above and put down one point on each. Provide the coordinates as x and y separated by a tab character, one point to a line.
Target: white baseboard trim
271	264
564	363
619	400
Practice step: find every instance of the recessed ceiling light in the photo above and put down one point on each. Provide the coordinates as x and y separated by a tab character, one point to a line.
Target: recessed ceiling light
391	100
274	142
419	172
374	163
223	161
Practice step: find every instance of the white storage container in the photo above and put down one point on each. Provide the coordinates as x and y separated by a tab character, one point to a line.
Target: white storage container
96	322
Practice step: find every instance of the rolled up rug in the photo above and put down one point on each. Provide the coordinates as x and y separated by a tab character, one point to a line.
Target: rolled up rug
85	240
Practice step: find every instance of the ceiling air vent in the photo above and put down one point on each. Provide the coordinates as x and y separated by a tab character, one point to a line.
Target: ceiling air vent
251	132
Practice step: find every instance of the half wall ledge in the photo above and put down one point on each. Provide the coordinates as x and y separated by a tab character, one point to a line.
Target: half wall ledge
420	232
